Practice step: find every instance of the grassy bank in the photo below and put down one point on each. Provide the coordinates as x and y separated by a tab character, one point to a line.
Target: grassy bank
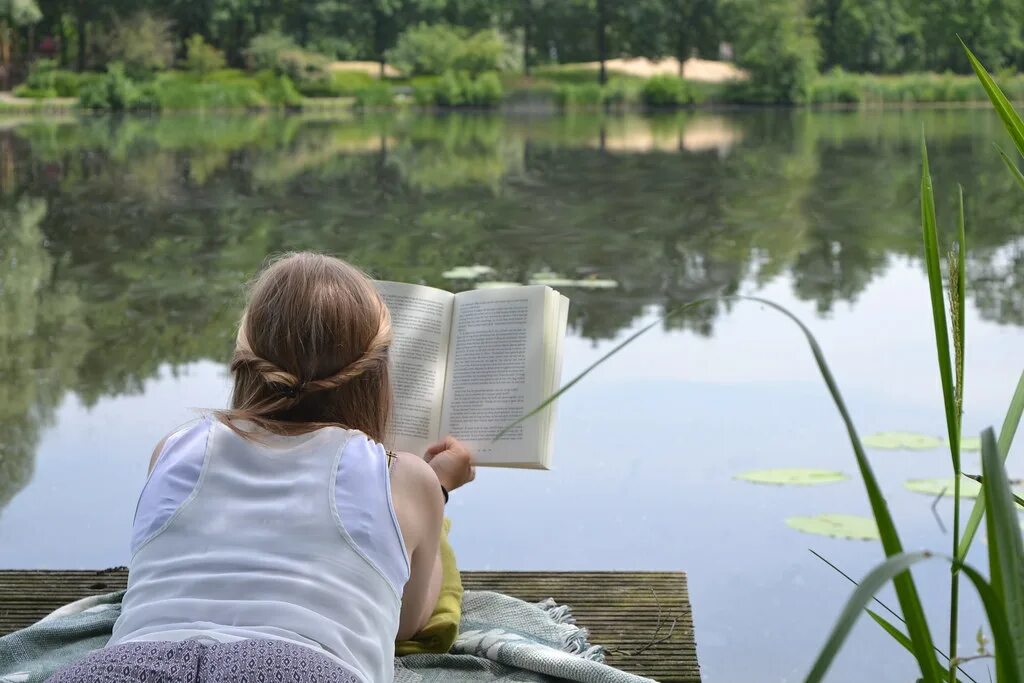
555	88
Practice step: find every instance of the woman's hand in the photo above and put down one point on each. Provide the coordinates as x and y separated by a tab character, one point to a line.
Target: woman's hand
452	463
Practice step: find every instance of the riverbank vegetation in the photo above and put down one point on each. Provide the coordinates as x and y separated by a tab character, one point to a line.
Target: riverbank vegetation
478	53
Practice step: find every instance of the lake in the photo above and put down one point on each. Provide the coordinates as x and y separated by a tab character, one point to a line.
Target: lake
125	245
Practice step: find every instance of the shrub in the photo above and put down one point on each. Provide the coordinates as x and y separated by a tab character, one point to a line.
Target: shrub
142	42
439	48
450	90
666	91
485	90
376	95
279	90
278	53
115	91
582	95
487	51
28	92
336	84
201	57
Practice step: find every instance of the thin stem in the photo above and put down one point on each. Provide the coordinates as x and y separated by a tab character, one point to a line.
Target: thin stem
954	585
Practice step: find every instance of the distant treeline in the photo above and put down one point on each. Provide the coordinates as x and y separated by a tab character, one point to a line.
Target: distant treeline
783	43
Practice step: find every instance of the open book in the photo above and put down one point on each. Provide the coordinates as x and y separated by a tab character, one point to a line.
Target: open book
470	364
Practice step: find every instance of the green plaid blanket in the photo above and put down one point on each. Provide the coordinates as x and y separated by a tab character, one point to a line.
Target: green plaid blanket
501	639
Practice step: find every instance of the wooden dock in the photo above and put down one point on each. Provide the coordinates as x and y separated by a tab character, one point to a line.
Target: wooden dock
643	619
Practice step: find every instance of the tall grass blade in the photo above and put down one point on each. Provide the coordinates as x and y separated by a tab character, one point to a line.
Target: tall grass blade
858	602
1005	548
897	565
900	637
1011	120
1014	170
1006	434
1008	669
931	257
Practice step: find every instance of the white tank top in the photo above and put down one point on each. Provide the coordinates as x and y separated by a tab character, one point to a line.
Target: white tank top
237	539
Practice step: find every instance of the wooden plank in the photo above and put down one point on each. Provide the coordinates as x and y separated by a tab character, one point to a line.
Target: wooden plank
643	619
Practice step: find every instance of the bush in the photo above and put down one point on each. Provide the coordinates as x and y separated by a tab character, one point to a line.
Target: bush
279	90
666	91
28	92
201	57
375	96
582	95
451	89
485	90
143	43
337	84
116	92
439	48
278	53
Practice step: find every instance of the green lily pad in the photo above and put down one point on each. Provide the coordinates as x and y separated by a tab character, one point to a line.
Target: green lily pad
496	284
944	485
970	443
467	272
795	476
853	527
902	441
968	487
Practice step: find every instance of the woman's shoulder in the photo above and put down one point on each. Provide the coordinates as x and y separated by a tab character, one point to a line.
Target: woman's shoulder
192	427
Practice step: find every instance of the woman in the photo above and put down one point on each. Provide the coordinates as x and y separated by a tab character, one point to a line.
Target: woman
279	540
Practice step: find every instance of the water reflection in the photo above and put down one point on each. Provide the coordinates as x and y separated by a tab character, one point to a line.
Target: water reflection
124	242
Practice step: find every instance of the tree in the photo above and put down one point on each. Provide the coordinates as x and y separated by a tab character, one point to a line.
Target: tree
775	43
867	35
13	15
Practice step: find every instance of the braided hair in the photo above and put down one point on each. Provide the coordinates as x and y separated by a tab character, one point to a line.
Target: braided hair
312	350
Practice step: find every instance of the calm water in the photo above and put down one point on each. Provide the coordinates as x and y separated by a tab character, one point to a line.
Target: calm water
124	245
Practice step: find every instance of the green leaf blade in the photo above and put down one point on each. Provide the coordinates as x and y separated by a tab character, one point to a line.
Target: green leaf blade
1006	550
1006	433
933	264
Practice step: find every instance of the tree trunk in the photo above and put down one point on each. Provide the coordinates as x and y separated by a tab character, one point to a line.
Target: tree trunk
602	46
62	36
379	47
527	25
6	35
82	28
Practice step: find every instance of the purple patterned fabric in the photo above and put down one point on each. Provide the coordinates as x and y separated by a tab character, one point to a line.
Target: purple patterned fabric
190	661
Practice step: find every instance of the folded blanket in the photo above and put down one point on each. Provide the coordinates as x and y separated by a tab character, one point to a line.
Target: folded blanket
500	638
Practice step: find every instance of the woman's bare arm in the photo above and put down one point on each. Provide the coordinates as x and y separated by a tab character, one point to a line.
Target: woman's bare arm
419	506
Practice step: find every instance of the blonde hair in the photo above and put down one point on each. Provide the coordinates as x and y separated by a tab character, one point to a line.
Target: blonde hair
312	350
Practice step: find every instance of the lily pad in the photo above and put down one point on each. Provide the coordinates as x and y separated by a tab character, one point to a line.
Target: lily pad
496	284
467	272
968	487
853	527
795	476
944	486
970	443
902	441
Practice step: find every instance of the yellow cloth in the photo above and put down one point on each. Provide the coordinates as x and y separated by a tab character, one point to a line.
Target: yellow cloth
438	636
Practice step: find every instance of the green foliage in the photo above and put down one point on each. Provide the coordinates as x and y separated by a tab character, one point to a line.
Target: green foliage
775	43
115	92
583	95
841	87
336	84
374	96
141	42
201	57
459	89
436	49
666	91
21	12
172	90
279	53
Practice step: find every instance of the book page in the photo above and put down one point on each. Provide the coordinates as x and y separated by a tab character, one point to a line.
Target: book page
496	373
420	322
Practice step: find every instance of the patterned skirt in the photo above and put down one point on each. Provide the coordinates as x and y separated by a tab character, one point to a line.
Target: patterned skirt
190	661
